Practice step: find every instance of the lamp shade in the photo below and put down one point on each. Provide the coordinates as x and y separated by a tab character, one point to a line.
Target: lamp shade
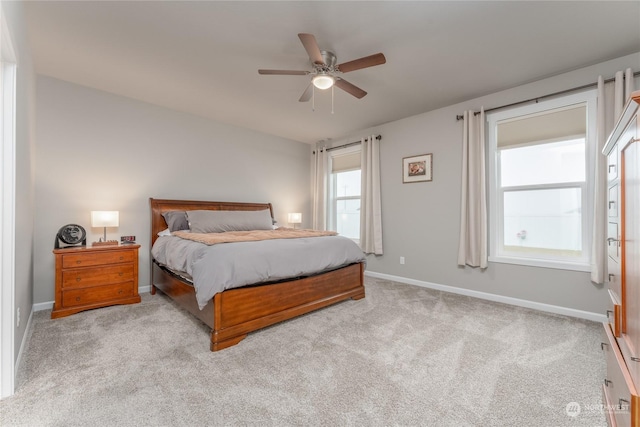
323	81
105	218
295	218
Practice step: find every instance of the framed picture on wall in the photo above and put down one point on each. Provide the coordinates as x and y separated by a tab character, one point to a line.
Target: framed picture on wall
417	168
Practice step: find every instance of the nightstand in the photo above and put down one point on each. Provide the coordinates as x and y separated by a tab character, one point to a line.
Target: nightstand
93	277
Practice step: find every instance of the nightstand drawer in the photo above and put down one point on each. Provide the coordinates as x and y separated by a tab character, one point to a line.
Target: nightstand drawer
83	277
97	294
96	258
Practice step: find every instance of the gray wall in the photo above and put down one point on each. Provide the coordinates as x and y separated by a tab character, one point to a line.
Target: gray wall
24	193
421	220
97	151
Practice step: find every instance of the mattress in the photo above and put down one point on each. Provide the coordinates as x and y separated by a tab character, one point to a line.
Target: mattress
215	268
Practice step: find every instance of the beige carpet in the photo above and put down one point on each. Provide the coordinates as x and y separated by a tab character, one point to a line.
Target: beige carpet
404	355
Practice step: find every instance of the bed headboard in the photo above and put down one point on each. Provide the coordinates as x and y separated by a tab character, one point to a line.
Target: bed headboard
159	206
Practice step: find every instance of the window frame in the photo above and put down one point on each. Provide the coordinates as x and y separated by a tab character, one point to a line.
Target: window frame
333	199
497	253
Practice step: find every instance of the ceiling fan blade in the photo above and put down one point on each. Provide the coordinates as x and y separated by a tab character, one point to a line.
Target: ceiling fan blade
349	88
306	95
311	45
367	61
284	72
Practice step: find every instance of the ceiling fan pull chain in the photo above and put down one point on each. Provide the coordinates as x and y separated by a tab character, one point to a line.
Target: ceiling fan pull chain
332	99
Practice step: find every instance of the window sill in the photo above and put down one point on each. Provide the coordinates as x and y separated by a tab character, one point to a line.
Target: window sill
560	265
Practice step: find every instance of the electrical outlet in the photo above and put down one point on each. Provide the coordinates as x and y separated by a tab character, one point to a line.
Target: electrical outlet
401	260
18	317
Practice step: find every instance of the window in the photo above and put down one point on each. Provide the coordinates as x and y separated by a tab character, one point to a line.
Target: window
541	164
344	192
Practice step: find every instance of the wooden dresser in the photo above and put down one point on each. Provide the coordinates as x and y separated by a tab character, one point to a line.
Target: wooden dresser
621	343
92	277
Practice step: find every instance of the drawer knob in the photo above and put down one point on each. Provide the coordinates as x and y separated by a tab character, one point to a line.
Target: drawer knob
606	382
78	279
120	274
78	262
77	298
121	258
120	291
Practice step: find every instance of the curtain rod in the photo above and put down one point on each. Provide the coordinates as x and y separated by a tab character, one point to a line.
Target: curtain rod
349	144
562	92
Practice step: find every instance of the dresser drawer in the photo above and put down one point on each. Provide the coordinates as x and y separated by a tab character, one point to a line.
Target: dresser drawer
612	203
612	164
96	258
84	277
613	244
614	313
620	391
96	294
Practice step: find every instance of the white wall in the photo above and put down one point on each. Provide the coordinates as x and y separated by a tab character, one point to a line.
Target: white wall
97	151
421	220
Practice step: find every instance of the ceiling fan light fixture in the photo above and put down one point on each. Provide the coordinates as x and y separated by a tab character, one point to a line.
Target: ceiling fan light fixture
323	81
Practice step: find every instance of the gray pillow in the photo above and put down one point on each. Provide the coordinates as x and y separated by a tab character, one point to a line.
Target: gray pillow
176	220
220	221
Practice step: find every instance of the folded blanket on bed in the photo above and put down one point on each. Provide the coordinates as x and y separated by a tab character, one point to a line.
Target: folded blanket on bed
251	236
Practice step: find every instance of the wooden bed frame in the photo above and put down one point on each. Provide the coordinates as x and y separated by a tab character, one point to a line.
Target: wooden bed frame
234	313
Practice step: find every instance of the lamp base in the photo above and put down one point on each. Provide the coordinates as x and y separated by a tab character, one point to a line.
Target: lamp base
106	243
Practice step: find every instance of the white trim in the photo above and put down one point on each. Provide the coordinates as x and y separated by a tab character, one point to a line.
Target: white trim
7	211
595	317
25	342
41	306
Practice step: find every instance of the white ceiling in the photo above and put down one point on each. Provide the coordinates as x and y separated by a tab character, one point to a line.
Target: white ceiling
202	57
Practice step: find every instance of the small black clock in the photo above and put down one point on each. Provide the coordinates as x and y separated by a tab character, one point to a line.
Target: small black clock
71	235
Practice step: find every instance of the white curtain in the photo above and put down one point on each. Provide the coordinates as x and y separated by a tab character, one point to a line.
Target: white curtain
472	248
320	177
370	204
611	100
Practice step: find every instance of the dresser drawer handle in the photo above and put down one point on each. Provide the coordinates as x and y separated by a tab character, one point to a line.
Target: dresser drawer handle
611	276
606	382
78	262
611	203
602	344
121	258
120	292
120	273
635	359
610	167
621	405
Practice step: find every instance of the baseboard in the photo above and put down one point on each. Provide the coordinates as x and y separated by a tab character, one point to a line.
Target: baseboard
49	304
42	306
493	297
25	342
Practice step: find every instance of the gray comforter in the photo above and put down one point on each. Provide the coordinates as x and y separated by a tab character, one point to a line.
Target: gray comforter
230	265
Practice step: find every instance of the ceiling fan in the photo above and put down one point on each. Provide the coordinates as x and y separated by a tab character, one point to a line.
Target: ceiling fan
326	71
